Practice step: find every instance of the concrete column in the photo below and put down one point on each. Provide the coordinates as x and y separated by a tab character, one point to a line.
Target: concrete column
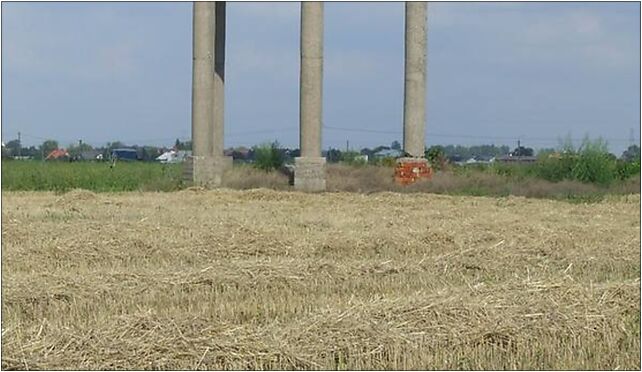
206	166
309	174
202	82
311	78
414	109
219	80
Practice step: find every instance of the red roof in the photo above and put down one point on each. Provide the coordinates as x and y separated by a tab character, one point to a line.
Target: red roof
57	154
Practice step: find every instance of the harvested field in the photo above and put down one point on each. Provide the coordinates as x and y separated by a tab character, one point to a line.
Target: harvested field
264	279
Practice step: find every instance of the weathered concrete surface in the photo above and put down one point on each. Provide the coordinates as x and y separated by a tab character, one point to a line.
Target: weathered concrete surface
218	124
309	174
202	73
414	110
311	90
207	164
206	171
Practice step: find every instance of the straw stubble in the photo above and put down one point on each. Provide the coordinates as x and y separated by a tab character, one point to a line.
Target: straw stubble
273	280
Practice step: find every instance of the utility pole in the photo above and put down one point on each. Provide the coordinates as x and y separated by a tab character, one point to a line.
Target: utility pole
19	145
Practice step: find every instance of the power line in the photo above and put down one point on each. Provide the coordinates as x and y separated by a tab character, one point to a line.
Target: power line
429	134
526	139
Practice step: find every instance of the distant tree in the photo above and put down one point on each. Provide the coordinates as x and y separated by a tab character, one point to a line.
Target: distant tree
75	150
115	145
183	146
379	148
295	153
47	147
632	153
149	153
31	151
368	152
13	147
523	151
333	155
395	145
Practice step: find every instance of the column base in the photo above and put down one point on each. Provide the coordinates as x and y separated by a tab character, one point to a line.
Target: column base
409	170
309	174
205	171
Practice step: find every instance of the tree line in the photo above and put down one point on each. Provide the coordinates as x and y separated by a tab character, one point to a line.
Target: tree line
279	154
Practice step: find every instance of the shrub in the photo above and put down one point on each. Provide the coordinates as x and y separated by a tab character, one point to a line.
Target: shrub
268	156
594	163
626	169
556	169
591	163
386	162
353	158
436	157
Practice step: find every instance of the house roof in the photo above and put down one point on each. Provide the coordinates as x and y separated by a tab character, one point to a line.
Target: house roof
389	153
124	150
57	154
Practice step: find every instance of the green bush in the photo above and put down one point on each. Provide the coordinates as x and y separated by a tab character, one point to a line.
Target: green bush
436	157
353	158
594	163
591	163
556	169
627	169
268	156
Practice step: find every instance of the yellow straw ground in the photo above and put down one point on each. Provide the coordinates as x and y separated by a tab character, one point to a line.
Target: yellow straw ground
271	280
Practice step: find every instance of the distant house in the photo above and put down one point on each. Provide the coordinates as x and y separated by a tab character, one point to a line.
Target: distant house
516	159
124	154
388	153
90	155
479	159
173	156
361	158
58	154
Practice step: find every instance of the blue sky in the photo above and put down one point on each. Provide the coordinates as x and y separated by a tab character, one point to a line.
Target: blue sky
496	72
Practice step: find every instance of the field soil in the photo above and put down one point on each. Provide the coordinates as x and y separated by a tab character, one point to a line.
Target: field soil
264	279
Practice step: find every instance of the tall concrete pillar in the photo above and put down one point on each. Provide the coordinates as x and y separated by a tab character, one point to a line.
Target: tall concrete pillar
206	166
202	82
309	173
219	80
414	109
